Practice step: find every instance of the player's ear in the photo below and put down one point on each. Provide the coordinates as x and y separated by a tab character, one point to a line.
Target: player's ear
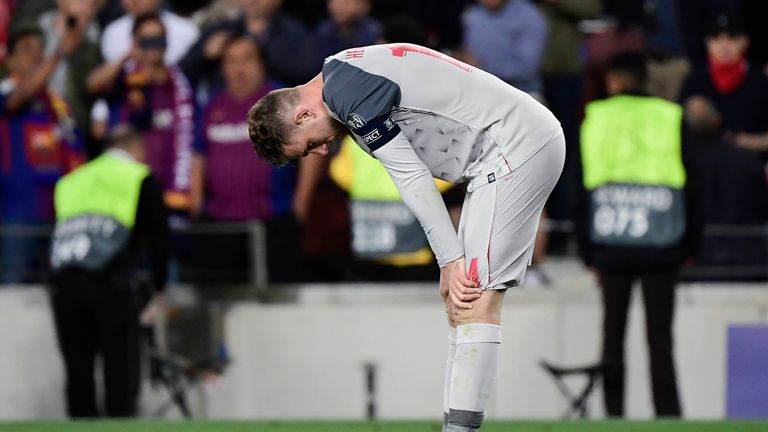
302	114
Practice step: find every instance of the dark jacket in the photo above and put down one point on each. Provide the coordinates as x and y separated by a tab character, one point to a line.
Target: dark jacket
331	39
743	110
731	190
287	52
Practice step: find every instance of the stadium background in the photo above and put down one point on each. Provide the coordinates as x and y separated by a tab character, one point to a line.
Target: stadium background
274	353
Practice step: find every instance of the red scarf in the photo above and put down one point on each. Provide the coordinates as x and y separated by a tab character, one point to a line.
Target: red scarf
727	77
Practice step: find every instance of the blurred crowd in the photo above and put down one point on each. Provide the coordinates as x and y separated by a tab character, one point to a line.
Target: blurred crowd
184	73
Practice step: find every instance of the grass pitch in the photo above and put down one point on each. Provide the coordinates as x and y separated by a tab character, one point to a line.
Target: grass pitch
491	426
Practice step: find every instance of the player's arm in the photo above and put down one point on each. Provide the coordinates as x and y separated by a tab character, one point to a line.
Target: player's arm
418	191
31	85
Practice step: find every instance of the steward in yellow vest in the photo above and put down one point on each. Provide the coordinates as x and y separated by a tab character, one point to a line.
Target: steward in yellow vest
635	224
108	212
634	206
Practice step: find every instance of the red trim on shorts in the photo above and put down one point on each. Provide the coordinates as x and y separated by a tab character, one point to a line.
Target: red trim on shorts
505	161
489	263
472	273
490	233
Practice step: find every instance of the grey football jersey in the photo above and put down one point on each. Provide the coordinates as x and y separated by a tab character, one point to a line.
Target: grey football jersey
424	114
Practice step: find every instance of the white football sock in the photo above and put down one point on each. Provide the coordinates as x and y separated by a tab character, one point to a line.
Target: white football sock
473	374
448	371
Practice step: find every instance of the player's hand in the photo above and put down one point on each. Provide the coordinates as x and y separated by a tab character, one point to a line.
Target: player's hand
443	286
213	48
461	290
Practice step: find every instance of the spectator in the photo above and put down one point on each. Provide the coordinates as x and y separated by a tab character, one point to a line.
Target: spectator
562	69
116	40
114	207
738	90
231	171
731	190
667	65
507	38
440	20
28	10
39	142
403	28
216	12
69	79
634	224
654	26
694	19
283	41
5	23
348	26
157	100
621	31
109	11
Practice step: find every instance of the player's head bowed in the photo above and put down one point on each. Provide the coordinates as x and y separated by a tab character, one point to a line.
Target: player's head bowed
292	123
269	126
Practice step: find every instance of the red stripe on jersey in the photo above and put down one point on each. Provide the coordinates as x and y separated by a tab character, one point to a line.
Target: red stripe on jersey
402	50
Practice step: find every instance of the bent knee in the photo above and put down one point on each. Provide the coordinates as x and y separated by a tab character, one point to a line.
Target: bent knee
475	315
449	307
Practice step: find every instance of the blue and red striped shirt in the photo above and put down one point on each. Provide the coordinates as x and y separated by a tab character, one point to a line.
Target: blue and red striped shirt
38	144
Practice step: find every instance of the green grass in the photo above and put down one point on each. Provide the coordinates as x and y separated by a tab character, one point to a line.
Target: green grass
209	426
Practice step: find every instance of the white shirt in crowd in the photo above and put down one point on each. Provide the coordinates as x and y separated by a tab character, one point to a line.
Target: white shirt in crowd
181	33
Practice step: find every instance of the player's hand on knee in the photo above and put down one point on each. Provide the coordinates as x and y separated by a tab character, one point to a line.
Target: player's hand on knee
444	291
461	290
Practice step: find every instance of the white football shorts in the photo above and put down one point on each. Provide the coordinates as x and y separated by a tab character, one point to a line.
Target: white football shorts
499	219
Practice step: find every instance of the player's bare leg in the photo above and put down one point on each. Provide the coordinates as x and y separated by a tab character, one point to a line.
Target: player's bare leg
472	361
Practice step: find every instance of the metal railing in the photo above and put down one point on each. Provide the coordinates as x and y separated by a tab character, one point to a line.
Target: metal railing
197	251
24	254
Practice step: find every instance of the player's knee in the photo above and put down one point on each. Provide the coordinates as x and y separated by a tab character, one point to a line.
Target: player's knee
477	314
449	307
486	309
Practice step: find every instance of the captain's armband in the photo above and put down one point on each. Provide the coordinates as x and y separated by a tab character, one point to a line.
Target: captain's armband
376	132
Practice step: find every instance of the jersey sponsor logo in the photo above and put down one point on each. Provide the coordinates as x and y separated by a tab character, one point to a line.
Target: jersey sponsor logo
372	136
43	147
228	133
355	121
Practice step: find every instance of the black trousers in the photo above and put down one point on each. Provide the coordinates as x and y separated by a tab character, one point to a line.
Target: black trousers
658	289
94	320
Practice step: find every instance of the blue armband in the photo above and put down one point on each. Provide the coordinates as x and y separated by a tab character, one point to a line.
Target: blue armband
378	131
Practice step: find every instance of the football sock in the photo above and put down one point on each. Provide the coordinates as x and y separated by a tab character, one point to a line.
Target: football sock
448	371
473	375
